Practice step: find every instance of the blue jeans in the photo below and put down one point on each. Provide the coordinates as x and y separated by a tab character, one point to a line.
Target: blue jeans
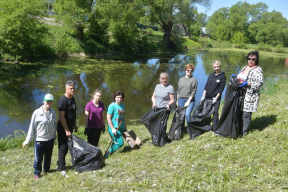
181	103
43	148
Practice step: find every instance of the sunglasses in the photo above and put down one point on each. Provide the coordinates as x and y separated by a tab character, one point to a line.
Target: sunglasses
189	70
253	59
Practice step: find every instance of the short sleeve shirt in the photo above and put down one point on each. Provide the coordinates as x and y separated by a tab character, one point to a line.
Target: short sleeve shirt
95	119
118	114
69	106
162	95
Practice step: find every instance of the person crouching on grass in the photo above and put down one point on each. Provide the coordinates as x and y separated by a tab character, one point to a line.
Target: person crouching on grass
43	129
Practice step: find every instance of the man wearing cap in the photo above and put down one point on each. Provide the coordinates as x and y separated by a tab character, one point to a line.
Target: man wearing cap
67	121
43	129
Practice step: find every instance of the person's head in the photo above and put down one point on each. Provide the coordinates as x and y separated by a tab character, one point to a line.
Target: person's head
96	96
70	88
216	66
118	97
253	58
164	79
189	68
48	100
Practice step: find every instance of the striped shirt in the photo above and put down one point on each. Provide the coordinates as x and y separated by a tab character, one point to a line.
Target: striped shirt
162	95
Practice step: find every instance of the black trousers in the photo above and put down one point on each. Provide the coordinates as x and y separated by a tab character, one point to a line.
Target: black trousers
62	148
43	148
93	136
216	114
245	122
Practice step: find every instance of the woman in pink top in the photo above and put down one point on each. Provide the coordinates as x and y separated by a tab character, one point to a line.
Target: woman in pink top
94	118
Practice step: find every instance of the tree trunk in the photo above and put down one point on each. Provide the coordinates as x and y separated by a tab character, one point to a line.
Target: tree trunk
167	33
80	33
186	31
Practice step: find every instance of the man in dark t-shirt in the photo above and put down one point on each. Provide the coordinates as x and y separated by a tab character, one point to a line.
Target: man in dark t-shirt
67	121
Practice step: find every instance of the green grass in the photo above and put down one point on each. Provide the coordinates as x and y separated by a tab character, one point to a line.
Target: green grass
258	162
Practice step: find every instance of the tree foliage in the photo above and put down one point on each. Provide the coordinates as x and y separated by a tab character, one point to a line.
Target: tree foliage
21	32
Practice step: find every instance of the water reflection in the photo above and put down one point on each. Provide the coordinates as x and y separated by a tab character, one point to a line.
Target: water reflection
22	87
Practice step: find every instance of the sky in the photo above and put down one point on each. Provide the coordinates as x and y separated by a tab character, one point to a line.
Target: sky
277	5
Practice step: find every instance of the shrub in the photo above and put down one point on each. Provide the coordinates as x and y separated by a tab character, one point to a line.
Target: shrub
264	47
238	38
149	31
279	49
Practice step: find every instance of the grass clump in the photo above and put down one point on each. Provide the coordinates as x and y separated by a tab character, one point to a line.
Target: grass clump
258	162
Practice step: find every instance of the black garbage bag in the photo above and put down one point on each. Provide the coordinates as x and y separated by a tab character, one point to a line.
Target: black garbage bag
155	121
175	132
85	157
230	117
199	122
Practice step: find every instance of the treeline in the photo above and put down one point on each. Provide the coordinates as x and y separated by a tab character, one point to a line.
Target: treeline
91	26
246	23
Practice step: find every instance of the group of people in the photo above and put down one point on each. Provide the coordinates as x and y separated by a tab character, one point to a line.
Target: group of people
43	124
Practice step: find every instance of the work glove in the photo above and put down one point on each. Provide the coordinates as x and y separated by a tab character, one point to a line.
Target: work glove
177	103
233	75
214	100
187	104
25	143
103	129
86	130
114	131
244	84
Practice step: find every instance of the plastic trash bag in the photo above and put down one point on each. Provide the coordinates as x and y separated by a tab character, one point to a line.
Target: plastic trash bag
155	121
175	132
85	157
199	122
230	117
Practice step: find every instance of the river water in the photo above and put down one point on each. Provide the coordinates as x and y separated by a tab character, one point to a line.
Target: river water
23	86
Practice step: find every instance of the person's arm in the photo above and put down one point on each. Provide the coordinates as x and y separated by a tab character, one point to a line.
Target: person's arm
32	128
178	90
257	79
221	86
109	120
64	123
153	99
194	86
103	118
172	99
87	114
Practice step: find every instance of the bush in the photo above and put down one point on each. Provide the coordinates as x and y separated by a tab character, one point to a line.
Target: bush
279	49
264	47
238	38
149	31
242	46
205	43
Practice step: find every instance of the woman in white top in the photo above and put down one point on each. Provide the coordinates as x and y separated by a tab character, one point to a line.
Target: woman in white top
43	129
251	79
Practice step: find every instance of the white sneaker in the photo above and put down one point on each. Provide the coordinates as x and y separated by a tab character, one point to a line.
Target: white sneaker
64	174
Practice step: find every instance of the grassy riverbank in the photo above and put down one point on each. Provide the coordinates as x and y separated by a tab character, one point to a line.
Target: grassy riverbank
258	162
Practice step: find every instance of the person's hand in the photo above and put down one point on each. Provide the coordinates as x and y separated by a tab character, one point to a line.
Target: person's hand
233	75
214	100
103	129
167	107
154	105
203	97
25	143
244	84
75	129
68	134
187	103
86	130
177	103
114	131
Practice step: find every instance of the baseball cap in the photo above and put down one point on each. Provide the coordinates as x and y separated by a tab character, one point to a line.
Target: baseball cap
48	97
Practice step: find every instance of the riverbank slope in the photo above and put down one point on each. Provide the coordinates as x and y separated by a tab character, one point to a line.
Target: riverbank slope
258	162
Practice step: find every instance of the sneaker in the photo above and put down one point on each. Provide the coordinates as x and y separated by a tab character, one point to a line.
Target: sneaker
36	177
64	174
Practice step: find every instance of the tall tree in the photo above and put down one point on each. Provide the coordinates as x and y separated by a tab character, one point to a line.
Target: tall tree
163	12
75	14
21	31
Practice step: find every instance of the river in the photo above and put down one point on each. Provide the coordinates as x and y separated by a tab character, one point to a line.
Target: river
23	86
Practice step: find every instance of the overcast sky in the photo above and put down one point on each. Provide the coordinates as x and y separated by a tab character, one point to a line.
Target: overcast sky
277	5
